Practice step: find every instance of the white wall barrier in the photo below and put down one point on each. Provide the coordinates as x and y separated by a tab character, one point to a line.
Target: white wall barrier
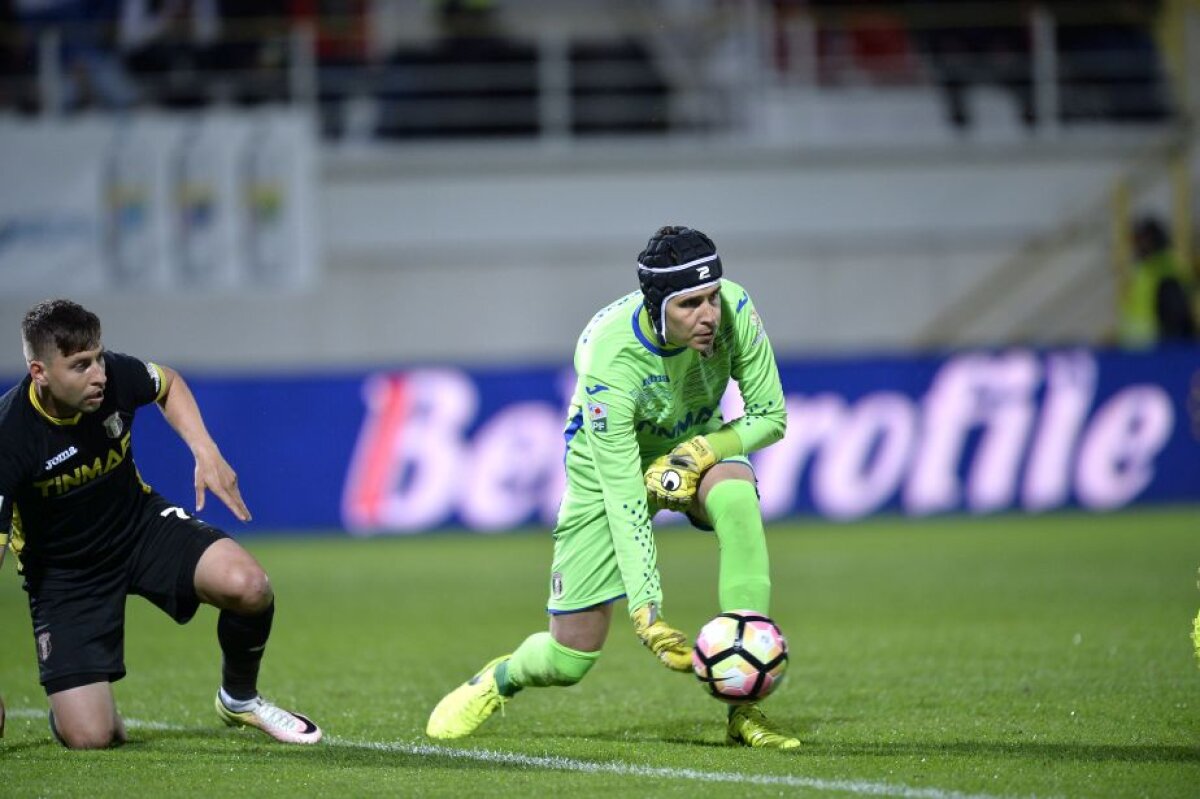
211	202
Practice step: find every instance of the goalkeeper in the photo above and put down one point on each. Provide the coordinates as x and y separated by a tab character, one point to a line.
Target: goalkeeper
644	433
1195	632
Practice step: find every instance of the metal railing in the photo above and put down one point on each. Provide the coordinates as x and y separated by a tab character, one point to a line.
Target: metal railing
547	71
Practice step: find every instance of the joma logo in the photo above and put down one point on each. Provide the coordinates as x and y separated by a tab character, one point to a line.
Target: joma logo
60	457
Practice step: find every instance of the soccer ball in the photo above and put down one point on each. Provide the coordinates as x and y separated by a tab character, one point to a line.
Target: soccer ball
740	656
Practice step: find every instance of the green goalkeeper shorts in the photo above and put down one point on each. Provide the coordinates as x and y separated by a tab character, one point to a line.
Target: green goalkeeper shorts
584	572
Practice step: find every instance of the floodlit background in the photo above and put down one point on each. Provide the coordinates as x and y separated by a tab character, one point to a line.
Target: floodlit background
368	233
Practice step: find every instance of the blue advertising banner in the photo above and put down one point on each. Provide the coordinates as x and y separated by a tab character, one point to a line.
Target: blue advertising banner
976	432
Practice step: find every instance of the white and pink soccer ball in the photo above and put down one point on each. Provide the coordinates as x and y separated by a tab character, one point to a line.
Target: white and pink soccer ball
740	656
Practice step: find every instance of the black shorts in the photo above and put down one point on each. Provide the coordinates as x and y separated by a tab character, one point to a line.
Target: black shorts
79	615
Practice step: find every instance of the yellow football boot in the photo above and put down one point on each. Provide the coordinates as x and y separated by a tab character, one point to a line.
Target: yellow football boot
466	707
749	727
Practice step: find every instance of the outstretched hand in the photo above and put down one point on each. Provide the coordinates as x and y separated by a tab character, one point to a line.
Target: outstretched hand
215	475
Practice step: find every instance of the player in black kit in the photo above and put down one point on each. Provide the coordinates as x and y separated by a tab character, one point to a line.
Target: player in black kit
87	532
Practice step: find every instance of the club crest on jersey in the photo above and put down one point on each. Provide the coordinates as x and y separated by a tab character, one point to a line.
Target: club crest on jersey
556	585
113	425
598	413
43	644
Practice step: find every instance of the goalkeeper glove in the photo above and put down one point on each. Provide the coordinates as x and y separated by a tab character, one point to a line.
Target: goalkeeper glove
668	644
672	479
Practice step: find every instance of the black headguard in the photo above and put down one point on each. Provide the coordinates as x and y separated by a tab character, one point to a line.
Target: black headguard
676	259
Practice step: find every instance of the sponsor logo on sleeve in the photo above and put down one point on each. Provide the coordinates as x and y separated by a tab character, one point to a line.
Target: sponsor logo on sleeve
598	413
757	321
155	377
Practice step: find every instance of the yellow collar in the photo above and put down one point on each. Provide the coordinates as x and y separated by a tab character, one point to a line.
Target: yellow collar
37	406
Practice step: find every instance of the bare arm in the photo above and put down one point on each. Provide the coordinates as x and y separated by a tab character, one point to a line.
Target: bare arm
212	472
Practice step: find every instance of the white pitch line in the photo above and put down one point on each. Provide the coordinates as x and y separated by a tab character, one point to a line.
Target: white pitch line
133	724
556	763
857	787
26	713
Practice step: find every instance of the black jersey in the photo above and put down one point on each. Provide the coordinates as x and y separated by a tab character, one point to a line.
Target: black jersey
69	489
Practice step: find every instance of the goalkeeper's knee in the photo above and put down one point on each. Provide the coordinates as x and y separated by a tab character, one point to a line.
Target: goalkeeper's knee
541	661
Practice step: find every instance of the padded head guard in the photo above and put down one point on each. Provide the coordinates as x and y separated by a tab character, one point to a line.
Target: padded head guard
676	259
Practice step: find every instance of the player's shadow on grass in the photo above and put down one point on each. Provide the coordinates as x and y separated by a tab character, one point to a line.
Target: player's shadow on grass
706	731
250	750
1018	750
138	738
10	749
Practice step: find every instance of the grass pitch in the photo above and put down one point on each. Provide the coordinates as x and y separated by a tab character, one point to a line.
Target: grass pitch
998	657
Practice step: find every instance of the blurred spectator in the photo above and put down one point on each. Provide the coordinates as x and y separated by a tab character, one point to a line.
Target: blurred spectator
474	80
187	53
859	41
991	50
881	46
163	42
616	88
14	72
253	52
85	30
1157	304
1109	64
340	27
341	34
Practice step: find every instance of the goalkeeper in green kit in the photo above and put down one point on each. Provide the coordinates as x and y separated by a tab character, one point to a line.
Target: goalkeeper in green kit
645	433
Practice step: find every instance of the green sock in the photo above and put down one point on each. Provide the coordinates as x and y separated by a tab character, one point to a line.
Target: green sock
503	685
540	661
745	575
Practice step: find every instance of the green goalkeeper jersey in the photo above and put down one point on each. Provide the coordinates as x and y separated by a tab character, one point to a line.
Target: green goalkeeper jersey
636	399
